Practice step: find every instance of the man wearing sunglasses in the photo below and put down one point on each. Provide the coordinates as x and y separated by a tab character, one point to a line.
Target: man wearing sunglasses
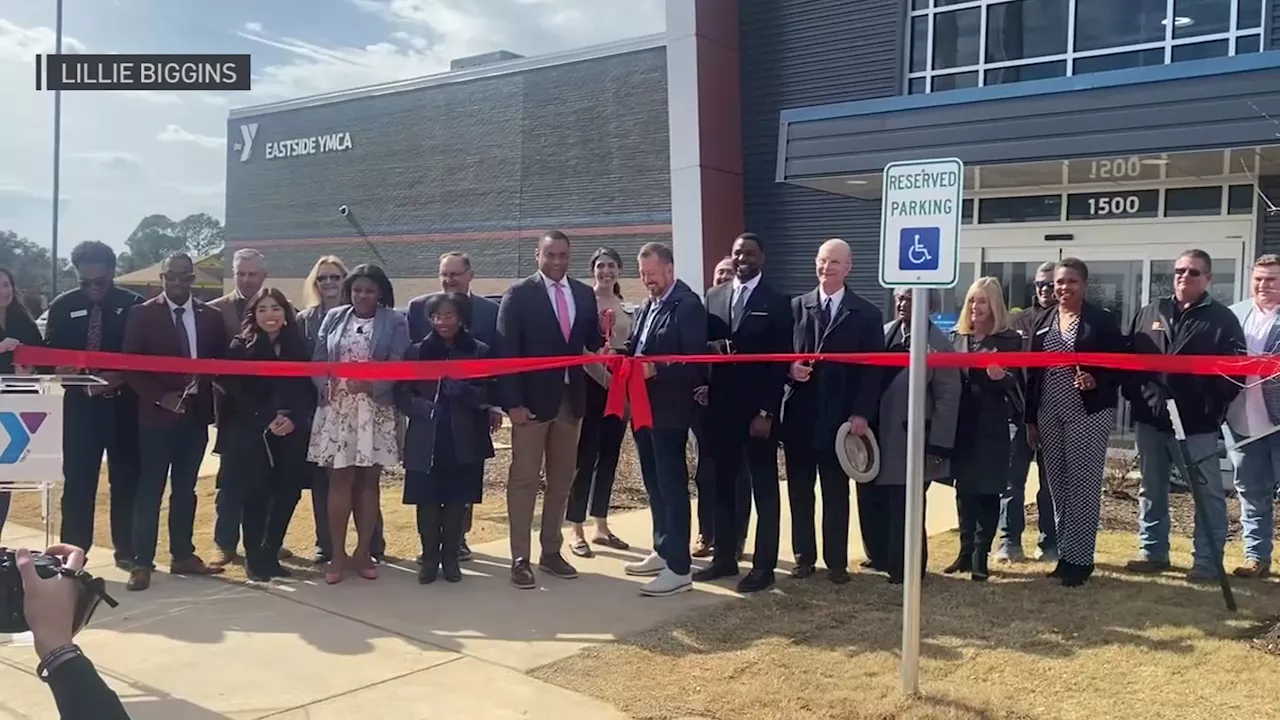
1013	501
101	418
1190	322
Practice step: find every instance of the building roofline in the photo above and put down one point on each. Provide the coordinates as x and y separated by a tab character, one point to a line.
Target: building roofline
508	67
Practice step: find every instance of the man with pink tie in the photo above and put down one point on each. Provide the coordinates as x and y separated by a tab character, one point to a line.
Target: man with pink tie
544	315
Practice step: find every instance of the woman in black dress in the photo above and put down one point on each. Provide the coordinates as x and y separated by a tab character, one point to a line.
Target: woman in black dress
991	400
263	428
448	441
16	328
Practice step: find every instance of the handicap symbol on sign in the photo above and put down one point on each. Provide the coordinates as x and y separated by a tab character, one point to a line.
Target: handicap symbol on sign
919	247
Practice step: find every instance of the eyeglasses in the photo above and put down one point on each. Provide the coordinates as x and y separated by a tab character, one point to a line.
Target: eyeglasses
1188	271
329	278
178	277
1042	284
98	282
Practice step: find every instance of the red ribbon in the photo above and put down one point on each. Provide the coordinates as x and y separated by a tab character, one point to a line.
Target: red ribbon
628	375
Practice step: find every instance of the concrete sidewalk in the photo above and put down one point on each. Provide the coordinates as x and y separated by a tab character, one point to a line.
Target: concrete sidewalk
203	648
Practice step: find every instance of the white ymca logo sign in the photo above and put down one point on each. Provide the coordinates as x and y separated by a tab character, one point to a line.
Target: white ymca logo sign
248	133
296	147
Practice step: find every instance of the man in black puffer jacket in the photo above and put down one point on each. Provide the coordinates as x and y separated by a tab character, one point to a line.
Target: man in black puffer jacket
1189	323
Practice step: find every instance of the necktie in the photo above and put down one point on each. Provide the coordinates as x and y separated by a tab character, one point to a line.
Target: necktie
824	320
184	343
739	307
562	311
93	341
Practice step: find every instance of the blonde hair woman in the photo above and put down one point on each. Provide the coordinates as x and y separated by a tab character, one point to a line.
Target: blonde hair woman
990	404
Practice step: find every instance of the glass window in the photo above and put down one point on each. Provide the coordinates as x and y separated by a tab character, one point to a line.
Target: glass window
966	212
1246	44
1119	61
955	81
1193	18
1034	208
1249	15
1240	200
919	43
956	38
1025	29
916	86
1188	202
1200	51
919	4
1020	73
1108	23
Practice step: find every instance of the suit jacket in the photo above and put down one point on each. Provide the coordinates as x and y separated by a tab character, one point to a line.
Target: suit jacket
528	328
739	391
677	326
1098	332
813	411
942	406
231	307
390	341
150	330
484	318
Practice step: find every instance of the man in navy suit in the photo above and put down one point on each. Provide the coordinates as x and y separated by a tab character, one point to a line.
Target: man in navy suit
455	277
544	315
746	317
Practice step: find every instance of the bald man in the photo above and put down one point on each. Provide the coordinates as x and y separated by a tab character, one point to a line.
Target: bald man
820	397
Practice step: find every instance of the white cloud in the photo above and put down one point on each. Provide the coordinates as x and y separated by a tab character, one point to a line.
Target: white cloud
255	27
174	133
155	97
108	157
23	44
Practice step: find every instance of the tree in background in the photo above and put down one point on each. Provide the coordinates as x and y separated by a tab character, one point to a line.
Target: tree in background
30	264
158	236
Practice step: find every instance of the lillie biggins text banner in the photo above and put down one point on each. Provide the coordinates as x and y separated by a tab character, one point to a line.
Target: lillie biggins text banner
629	382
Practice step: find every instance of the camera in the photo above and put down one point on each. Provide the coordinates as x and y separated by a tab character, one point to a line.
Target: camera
90	591
343	210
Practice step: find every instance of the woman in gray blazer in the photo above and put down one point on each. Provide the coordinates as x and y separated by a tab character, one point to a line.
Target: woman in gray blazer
356	431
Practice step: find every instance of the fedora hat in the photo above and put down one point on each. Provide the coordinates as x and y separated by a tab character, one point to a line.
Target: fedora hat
859	456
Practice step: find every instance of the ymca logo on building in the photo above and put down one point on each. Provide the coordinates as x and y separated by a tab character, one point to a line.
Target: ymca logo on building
295	147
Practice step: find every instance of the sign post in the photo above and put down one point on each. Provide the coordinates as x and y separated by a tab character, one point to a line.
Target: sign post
919	249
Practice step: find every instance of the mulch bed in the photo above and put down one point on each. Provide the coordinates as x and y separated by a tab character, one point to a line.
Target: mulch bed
1268	639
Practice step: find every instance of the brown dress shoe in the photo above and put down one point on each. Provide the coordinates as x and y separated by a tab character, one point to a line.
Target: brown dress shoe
1253	569
222	557
702	548
522	575
139	579
558	566
193	566
284	554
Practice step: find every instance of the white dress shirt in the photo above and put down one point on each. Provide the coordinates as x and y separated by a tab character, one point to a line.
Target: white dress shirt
568	296
1248	415
188	321
836	298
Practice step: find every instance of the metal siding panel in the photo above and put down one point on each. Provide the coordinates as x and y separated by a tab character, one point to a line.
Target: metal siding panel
1195	113
1273	24
799	53
575	145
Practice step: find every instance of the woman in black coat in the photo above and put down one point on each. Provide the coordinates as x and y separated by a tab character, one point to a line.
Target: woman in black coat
448	439
16	328
990	403
263	428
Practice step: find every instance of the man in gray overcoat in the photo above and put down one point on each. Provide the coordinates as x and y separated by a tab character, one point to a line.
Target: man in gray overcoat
882	502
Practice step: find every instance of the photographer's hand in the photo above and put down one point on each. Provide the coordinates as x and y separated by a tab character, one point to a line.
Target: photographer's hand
50	604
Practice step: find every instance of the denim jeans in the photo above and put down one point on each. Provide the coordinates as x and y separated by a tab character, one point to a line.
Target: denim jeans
666	480
1257	472
1156	452
1013	500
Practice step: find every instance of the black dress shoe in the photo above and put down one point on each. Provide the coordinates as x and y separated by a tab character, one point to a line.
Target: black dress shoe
870	565
839	577
755	581
427	574
802	571
715	571
964	563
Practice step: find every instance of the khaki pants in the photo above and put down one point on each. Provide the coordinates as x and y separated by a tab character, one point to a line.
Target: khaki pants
556	441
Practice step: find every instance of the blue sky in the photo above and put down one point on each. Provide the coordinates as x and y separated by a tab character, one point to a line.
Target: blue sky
126	154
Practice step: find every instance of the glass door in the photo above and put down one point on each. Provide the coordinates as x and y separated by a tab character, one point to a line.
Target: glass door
952	300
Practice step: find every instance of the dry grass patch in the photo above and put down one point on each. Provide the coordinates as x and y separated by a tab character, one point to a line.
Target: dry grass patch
1017	647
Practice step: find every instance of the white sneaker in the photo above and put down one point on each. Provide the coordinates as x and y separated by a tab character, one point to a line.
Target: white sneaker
667	583
647	567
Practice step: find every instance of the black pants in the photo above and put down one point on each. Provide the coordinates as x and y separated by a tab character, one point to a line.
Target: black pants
265	515
704	479
228	503
733	446
979	517
882	513
440	530
174	453
90	427
599	444
666	480
320	511
805	465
